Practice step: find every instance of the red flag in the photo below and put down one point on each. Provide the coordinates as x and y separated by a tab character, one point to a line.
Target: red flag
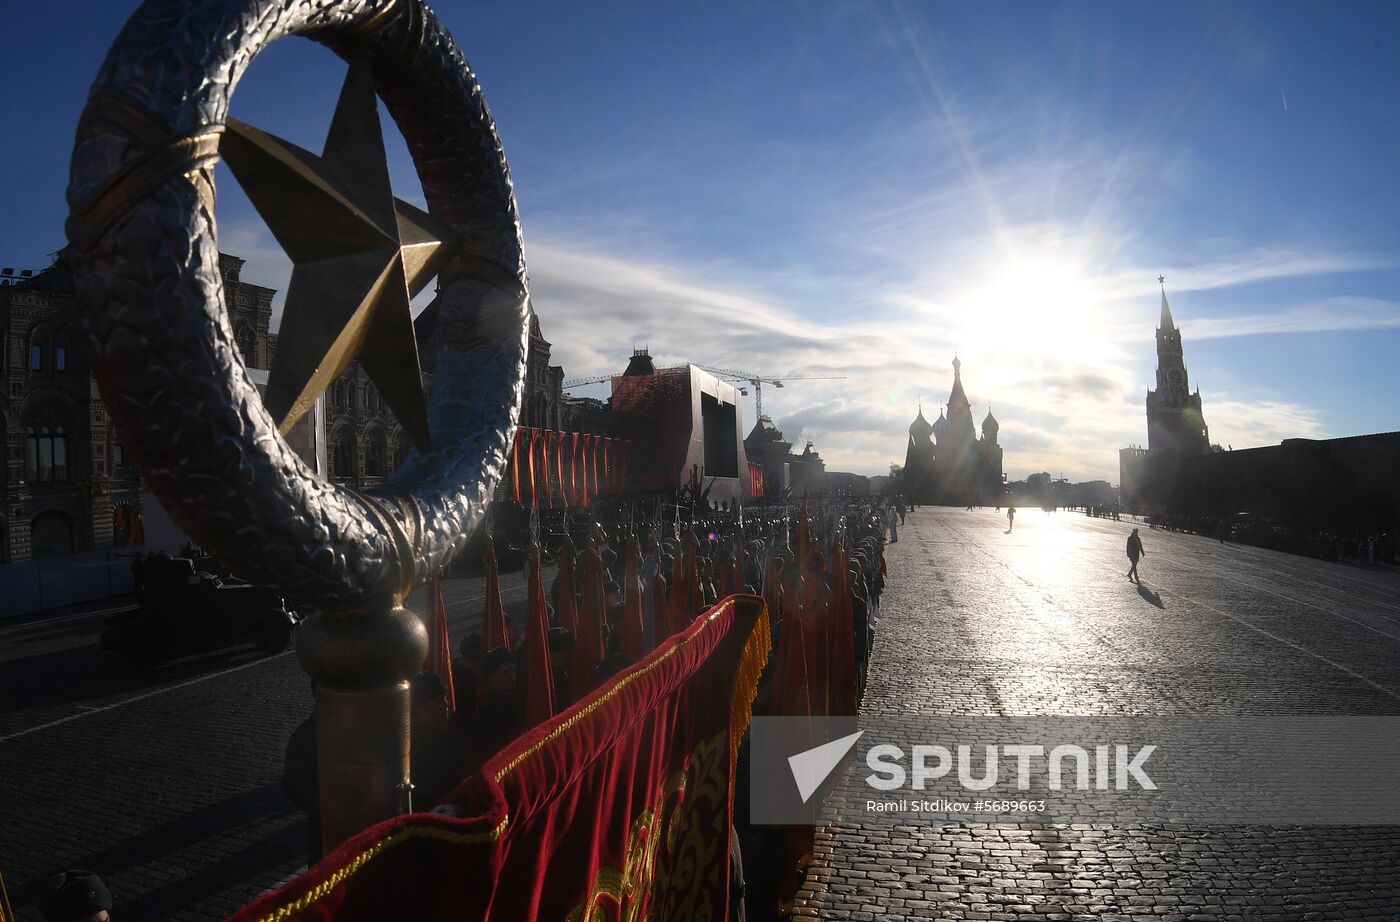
515	462
589	485
790	695
678	608
842	642
550	437
632	628
566	609
657	623
495	629
573	469
594	465
588	639
536	677
607	465
534	497
816	631
804	536
732	578
619	808
560	441
439	641
597	465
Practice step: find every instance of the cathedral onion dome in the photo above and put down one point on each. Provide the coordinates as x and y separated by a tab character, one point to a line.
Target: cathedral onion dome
990	424
940	425
920	429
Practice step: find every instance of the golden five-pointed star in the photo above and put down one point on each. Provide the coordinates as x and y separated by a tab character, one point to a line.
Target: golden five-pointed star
359	255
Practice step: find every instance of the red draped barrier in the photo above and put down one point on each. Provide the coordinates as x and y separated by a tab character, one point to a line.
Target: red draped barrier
618	808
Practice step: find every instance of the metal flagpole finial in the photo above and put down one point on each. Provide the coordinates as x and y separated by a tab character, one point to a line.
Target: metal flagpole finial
1161	280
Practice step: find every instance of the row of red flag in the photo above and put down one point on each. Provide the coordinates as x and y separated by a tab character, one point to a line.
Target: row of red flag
578	466
815	670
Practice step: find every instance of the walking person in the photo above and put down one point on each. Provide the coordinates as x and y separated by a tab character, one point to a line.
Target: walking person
892	522
1135	552
1010	517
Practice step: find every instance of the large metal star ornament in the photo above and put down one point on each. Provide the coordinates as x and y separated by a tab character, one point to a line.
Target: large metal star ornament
359	256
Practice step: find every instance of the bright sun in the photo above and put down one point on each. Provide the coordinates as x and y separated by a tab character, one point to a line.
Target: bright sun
1031	307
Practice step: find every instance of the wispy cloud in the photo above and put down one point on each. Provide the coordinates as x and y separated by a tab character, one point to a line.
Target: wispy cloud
1327	315
1247	424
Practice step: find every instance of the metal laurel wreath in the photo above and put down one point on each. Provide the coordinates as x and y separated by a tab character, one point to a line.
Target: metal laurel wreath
145	259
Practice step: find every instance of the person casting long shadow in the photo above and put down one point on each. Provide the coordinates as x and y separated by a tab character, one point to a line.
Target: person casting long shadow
1135	552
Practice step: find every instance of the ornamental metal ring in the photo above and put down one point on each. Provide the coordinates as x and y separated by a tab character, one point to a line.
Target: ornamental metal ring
145	259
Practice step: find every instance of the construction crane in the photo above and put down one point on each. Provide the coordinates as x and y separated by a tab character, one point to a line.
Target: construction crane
580	382
757	381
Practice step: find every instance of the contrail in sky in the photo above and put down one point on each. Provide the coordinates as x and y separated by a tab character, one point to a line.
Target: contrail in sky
1284	98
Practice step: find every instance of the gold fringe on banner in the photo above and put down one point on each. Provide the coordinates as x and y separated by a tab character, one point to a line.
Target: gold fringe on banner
751	664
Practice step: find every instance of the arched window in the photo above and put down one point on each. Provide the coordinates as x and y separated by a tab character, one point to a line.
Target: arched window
36	357
60	357
45	453
374	455
343	457
371	398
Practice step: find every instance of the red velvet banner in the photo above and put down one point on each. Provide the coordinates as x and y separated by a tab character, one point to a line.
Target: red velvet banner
618	808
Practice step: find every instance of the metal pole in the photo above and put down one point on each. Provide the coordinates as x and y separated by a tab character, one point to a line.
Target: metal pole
361	663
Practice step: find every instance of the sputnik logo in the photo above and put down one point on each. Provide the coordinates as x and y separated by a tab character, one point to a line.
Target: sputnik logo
812	766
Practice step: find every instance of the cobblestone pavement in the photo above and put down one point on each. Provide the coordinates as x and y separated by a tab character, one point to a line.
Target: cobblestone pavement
1043	621
165	782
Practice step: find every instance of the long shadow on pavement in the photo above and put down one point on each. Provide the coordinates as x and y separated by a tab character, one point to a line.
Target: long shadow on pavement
264	837
1150	596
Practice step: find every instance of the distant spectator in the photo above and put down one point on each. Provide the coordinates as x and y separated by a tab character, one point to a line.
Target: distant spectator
464	673
436	753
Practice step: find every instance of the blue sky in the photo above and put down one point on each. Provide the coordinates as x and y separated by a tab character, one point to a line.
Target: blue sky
864	188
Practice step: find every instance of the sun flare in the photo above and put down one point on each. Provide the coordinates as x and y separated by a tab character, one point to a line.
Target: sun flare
1032	307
